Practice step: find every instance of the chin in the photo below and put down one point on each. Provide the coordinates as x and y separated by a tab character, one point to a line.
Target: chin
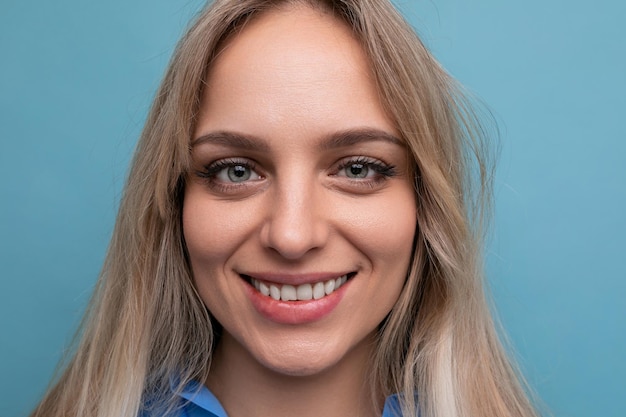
305	359
300	366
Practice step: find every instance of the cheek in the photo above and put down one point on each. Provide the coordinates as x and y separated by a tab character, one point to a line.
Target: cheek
203	232
384	229
212	232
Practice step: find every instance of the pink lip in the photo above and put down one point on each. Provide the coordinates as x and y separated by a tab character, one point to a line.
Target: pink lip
294	312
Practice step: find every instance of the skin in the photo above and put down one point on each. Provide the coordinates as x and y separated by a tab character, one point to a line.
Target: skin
291	82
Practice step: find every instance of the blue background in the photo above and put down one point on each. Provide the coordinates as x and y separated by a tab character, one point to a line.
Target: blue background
76	80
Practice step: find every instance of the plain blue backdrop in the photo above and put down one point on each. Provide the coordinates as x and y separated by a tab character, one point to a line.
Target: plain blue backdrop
76	80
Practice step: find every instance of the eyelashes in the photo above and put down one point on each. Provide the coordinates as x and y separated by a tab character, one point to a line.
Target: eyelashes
231	175
362	167
230	170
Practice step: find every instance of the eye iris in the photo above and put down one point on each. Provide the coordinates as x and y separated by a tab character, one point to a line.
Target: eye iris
357	171
238	173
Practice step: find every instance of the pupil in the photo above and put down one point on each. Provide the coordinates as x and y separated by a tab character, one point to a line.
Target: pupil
358	170
238	173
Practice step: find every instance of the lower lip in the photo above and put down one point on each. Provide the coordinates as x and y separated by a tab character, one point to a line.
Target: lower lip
294	312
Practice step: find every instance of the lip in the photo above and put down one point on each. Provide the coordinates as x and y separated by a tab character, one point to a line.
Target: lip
294	312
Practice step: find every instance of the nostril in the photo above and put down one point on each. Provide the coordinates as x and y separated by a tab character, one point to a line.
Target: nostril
294	240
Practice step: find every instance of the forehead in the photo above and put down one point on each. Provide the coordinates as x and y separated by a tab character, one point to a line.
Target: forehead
289	46
289	33
292	65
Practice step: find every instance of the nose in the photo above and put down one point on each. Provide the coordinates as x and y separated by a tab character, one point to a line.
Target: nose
297	222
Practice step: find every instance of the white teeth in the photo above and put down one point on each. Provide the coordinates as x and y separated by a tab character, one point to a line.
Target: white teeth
318	290
274	292
329	286
338	283
302	292
288	293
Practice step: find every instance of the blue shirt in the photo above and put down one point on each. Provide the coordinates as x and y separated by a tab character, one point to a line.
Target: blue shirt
200	402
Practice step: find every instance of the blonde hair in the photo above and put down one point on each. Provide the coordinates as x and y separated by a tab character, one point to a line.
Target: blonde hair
147	333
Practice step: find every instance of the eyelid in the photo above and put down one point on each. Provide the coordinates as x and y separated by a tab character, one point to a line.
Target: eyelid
380	168
210	172
213	168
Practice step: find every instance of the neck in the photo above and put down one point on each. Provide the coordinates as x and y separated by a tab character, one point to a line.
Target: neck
247	388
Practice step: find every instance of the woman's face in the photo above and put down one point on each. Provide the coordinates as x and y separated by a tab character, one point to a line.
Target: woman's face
299	213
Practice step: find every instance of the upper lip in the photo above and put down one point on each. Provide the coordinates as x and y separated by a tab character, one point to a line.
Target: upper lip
294	279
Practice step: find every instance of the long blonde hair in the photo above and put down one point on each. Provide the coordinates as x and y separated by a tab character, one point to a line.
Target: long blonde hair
147	333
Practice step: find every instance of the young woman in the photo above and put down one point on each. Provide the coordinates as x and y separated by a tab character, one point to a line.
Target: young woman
299	235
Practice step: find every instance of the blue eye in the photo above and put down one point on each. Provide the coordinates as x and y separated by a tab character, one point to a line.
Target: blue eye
365	168
236	173
357	170
230	171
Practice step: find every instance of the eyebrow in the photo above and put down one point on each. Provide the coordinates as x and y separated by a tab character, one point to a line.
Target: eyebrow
234	140
355	136
335	140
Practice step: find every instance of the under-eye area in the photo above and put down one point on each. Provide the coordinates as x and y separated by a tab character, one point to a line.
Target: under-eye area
302	292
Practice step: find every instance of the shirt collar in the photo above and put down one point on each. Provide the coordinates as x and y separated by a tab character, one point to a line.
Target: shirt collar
202	397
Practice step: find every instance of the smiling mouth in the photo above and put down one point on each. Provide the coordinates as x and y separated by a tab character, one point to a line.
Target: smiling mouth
302	292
